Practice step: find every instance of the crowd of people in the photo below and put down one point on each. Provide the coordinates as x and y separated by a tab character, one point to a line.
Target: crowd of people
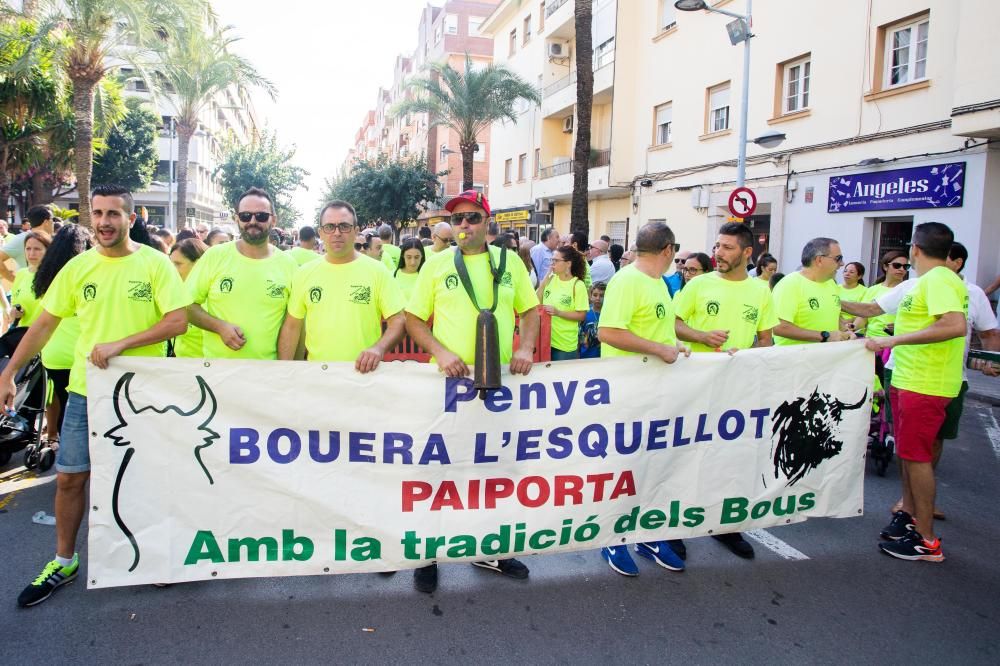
88	296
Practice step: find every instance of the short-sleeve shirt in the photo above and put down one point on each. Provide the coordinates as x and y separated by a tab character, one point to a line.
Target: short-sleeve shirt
390	256
59	351
302	256
113	298
406	282
343	306
807	304
856	294
934	368
570	295
249	293
22	293
639	304
876	325
14	248
439	292
742	307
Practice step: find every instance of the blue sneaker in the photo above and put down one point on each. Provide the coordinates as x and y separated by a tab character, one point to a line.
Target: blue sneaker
619	560
661	553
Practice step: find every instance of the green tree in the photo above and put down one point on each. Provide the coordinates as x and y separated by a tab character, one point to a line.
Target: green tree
130	153
262	163
196	66
579	217
384	189
467	102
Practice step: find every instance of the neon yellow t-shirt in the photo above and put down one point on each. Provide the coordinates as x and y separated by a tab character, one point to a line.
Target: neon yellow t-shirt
876	325
568	295
406	282
709	302
249	293
302	256
640	304
856	294
113	298
390	256
811	305
59	352
343	305
440	293
190	344
22	293
934	368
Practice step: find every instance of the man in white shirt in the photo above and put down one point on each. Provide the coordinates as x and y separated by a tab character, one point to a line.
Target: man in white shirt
601	268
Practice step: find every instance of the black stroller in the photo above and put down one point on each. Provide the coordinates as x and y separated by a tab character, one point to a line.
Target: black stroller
21	428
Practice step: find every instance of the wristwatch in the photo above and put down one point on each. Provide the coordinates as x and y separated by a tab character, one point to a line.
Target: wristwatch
824	336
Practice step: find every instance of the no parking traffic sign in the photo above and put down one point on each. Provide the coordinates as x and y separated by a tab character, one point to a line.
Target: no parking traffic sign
742	202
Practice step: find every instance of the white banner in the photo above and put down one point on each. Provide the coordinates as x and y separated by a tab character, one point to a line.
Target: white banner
228	469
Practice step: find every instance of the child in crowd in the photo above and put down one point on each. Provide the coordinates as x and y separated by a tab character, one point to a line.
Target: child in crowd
590	346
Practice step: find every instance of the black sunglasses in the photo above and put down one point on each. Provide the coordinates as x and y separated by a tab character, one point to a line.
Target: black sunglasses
471	218
260	216
898	267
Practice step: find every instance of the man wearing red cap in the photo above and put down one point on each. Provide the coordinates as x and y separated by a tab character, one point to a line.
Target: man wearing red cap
440	292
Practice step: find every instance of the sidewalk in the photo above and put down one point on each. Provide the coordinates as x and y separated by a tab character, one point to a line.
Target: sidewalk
983	388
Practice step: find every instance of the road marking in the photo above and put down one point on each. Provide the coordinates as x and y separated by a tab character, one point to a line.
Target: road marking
18	479
992	429
775	544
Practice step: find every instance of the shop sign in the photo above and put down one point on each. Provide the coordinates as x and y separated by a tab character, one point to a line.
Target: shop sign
512	216
937	186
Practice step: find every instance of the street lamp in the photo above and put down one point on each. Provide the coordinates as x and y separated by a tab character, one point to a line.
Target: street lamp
739	31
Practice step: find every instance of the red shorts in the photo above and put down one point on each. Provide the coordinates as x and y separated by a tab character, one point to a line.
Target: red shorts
916	420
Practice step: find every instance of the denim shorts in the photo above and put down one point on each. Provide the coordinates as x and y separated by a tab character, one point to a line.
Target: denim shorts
73	455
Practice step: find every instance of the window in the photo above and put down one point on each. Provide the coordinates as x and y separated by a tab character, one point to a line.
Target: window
796	86
538	161
507	168
718	108
527	29
512	46
451	24
474	23
617	231
522	166
906	53
668	15
664	123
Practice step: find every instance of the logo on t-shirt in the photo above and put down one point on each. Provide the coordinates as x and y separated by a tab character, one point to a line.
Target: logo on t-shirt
814	304
750	313
906	303
226	285
451	282
316	294
836	299
712	308
661	311
361	294
89	291
507	280
140	291
566	301
275	290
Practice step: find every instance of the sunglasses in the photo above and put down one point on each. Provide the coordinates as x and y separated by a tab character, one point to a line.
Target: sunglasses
471	218
260	217
342	227
900	267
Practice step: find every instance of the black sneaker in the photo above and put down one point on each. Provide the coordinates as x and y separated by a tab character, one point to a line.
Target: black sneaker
511	567
900	526
53	576
677	545
735	542
912	546
425	579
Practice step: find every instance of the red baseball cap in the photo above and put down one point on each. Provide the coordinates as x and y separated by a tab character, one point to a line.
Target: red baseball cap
471	196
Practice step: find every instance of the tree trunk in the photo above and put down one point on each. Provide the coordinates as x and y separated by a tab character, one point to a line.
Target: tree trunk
83	145
184	135
468	152
4	184
41	193
584	105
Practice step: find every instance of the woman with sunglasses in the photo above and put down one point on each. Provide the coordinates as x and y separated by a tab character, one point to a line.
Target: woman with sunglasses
697	264
895	270
563	294
851	289
411	260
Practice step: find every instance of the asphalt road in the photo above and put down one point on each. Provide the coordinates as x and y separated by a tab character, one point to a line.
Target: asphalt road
845	603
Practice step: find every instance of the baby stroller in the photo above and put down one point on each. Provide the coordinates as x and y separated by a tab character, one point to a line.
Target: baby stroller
21	428
881	442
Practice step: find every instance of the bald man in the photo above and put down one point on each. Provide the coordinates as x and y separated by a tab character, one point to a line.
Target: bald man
442	236
601	268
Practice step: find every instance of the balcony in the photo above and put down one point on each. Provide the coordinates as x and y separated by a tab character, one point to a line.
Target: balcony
552	5
560	96
556	181
559	19
598	158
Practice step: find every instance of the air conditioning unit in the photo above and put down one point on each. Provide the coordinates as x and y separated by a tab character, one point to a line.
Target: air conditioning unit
568	124
541	205
557	50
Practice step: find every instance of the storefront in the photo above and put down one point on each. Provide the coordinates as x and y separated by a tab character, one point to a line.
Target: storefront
517	220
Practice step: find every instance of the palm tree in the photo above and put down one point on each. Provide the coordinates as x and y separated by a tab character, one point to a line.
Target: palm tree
196	66
467	102
579	214
96	36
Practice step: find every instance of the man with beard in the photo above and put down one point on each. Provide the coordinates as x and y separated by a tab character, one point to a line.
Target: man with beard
240	290
128	299
442	293
726	310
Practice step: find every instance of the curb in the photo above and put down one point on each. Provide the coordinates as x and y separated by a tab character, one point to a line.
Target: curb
984	397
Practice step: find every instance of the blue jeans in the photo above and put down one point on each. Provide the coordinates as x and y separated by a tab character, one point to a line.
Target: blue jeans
560	355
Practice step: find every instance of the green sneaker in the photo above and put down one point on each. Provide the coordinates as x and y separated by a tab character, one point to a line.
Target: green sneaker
52	576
